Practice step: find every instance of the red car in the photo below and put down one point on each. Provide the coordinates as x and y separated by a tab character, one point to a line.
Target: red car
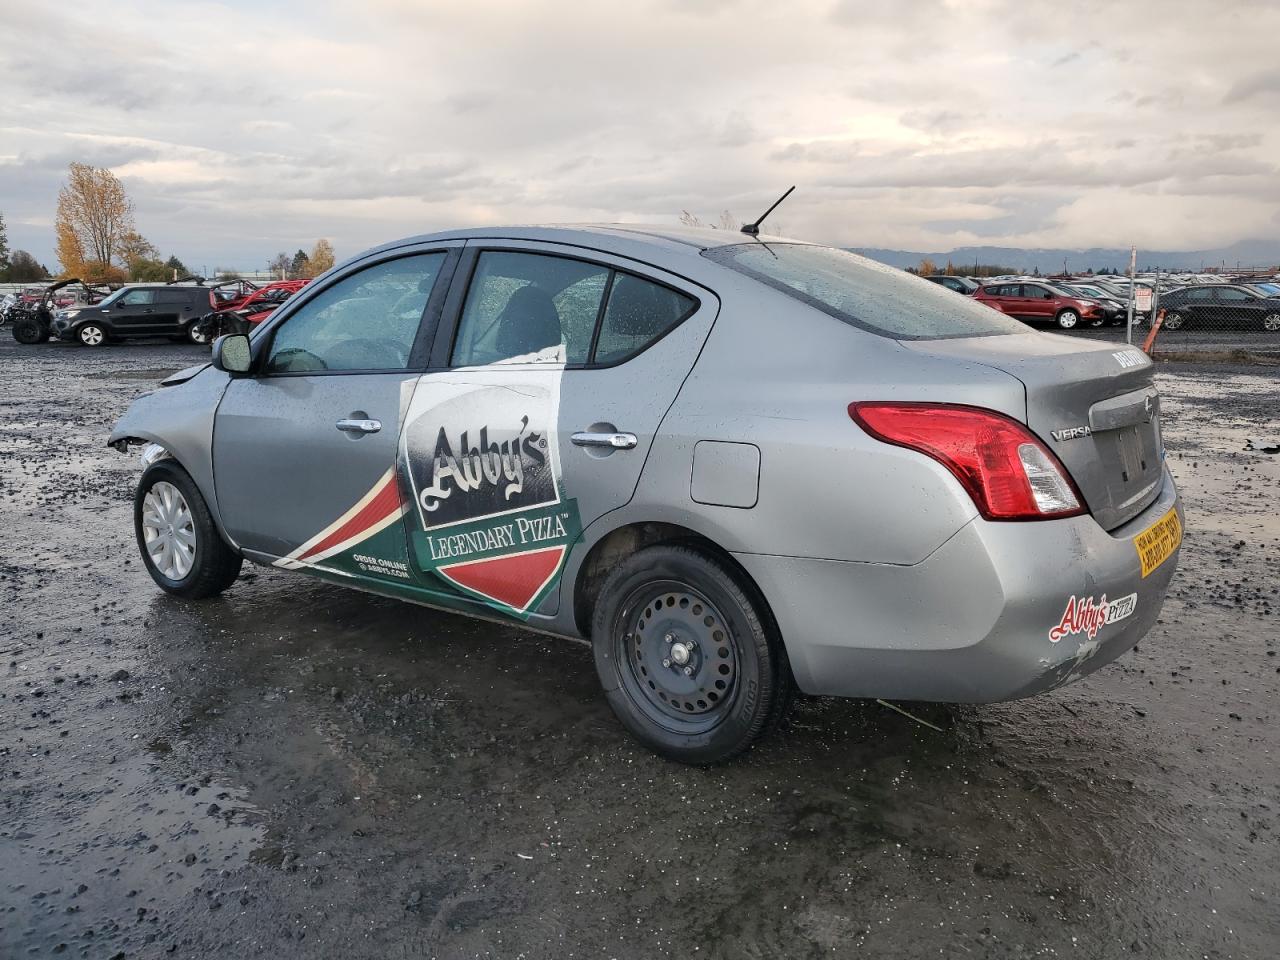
1041	303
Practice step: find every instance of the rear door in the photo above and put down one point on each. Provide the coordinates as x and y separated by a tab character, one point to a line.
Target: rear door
557	372
304	450
167	310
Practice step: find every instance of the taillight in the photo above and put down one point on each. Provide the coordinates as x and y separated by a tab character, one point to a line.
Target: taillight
1009	473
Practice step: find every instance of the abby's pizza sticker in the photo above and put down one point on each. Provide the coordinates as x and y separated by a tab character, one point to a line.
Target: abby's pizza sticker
1088	616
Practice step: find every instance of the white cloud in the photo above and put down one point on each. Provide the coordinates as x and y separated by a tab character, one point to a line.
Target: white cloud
241	130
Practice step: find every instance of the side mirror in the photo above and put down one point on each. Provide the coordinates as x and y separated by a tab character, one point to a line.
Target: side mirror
231	353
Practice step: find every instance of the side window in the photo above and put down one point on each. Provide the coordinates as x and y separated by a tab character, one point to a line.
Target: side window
1200	293
529	308
366	321
136	298
1230	293
638	313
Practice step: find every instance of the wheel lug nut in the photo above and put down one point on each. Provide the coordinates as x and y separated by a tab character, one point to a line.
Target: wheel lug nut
670	638
666	662
688	671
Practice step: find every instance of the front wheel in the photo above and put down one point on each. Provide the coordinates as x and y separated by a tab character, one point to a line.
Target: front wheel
91	335
180	545
1173	321
28	331
1271	323
1067	319
687	655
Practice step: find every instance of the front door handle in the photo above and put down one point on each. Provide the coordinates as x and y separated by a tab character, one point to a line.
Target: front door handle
615	441
359	426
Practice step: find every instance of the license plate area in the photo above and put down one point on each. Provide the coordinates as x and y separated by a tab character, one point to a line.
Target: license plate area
1158	542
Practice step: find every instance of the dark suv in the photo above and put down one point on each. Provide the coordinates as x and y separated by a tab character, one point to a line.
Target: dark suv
958	284
157	310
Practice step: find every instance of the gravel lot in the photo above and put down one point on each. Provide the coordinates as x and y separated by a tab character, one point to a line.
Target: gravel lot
295	770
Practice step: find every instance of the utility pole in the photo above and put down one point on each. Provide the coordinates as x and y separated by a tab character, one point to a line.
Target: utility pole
1133	265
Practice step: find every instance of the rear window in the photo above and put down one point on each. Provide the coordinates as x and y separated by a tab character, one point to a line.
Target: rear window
869	295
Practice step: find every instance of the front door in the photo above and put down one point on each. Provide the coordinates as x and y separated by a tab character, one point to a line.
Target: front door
304	450
558	376
134	312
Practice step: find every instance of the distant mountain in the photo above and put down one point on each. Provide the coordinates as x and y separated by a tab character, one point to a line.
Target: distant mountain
1247	253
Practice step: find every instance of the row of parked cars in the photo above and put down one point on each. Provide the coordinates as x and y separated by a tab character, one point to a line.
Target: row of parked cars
191	309
1072	302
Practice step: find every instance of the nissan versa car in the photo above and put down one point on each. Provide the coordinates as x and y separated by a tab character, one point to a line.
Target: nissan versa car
737	465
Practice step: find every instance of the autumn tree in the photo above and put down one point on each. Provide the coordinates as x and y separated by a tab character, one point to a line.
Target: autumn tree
927	268
94	216
321	257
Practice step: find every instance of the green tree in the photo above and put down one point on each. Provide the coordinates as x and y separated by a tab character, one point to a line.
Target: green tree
23	266
174	265
300	267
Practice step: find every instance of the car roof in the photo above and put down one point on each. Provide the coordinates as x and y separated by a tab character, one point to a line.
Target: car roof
620	238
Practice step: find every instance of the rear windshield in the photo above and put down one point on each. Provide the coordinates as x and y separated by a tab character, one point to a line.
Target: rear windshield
861	292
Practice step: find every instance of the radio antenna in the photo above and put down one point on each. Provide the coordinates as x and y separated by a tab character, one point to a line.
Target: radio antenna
753	229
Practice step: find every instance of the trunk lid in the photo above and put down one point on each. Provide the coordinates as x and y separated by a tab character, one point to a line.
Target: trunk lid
1093	404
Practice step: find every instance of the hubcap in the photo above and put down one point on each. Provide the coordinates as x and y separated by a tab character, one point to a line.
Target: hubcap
168	530
1271	322
1173	321
198	334
680	662
1067	319
91	336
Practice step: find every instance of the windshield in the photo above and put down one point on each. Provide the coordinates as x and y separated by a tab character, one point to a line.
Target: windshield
863	293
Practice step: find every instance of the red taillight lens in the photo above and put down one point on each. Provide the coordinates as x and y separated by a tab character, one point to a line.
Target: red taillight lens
1009	473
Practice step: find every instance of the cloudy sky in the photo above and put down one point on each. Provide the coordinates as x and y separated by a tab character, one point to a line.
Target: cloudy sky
245	128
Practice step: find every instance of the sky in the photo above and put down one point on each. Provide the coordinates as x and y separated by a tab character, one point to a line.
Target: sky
243	129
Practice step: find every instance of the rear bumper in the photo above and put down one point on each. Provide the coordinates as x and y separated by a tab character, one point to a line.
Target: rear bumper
972	622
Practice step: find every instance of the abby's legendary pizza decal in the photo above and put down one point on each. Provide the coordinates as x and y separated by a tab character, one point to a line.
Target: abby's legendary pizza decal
484	473
1088	616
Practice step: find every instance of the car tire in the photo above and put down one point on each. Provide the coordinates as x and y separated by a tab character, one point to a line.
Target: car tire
179	542
91	335
1271	323
29	332
710	676
1173	321
1067	319
198	332
1097	321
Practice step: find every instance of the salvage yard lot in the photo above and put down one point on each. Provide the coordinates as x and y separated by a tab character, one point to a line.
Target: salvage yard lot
296	770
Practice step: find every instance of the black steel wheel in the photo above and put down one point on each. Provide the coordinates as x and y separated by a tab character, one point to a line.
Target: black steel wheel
687	655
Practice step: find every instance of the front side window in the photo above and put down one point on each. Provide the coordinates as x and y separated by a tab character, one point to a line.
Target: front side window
1200	293
137	298
529	308
366	321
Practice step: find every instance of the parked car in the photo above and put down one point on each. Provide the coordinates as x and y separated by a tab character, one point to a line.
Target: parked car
139	311
1114	312
727	462
958	284
1039	302
1220	304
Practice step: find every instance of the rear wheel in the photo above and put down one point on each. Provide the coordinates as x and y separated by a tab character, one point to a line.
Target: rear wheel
180	545
200	331
91	335
1271	323
687	656
1067	319
1173	321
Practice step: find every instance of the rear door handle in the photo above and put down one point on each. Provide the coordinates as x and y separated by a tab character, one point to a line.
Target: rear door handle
615	441
359	426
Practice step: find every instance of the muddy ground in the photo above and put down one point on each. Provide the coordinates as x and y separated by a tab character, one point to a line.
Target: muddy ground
295	770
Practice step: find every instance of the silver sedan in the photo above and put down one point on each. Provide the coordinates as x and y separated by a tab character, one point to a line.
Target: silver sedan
737	465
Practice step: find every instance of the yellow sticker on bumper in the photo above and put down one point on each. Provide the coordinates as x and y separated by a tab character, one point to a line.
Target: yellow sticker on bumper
1157	544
